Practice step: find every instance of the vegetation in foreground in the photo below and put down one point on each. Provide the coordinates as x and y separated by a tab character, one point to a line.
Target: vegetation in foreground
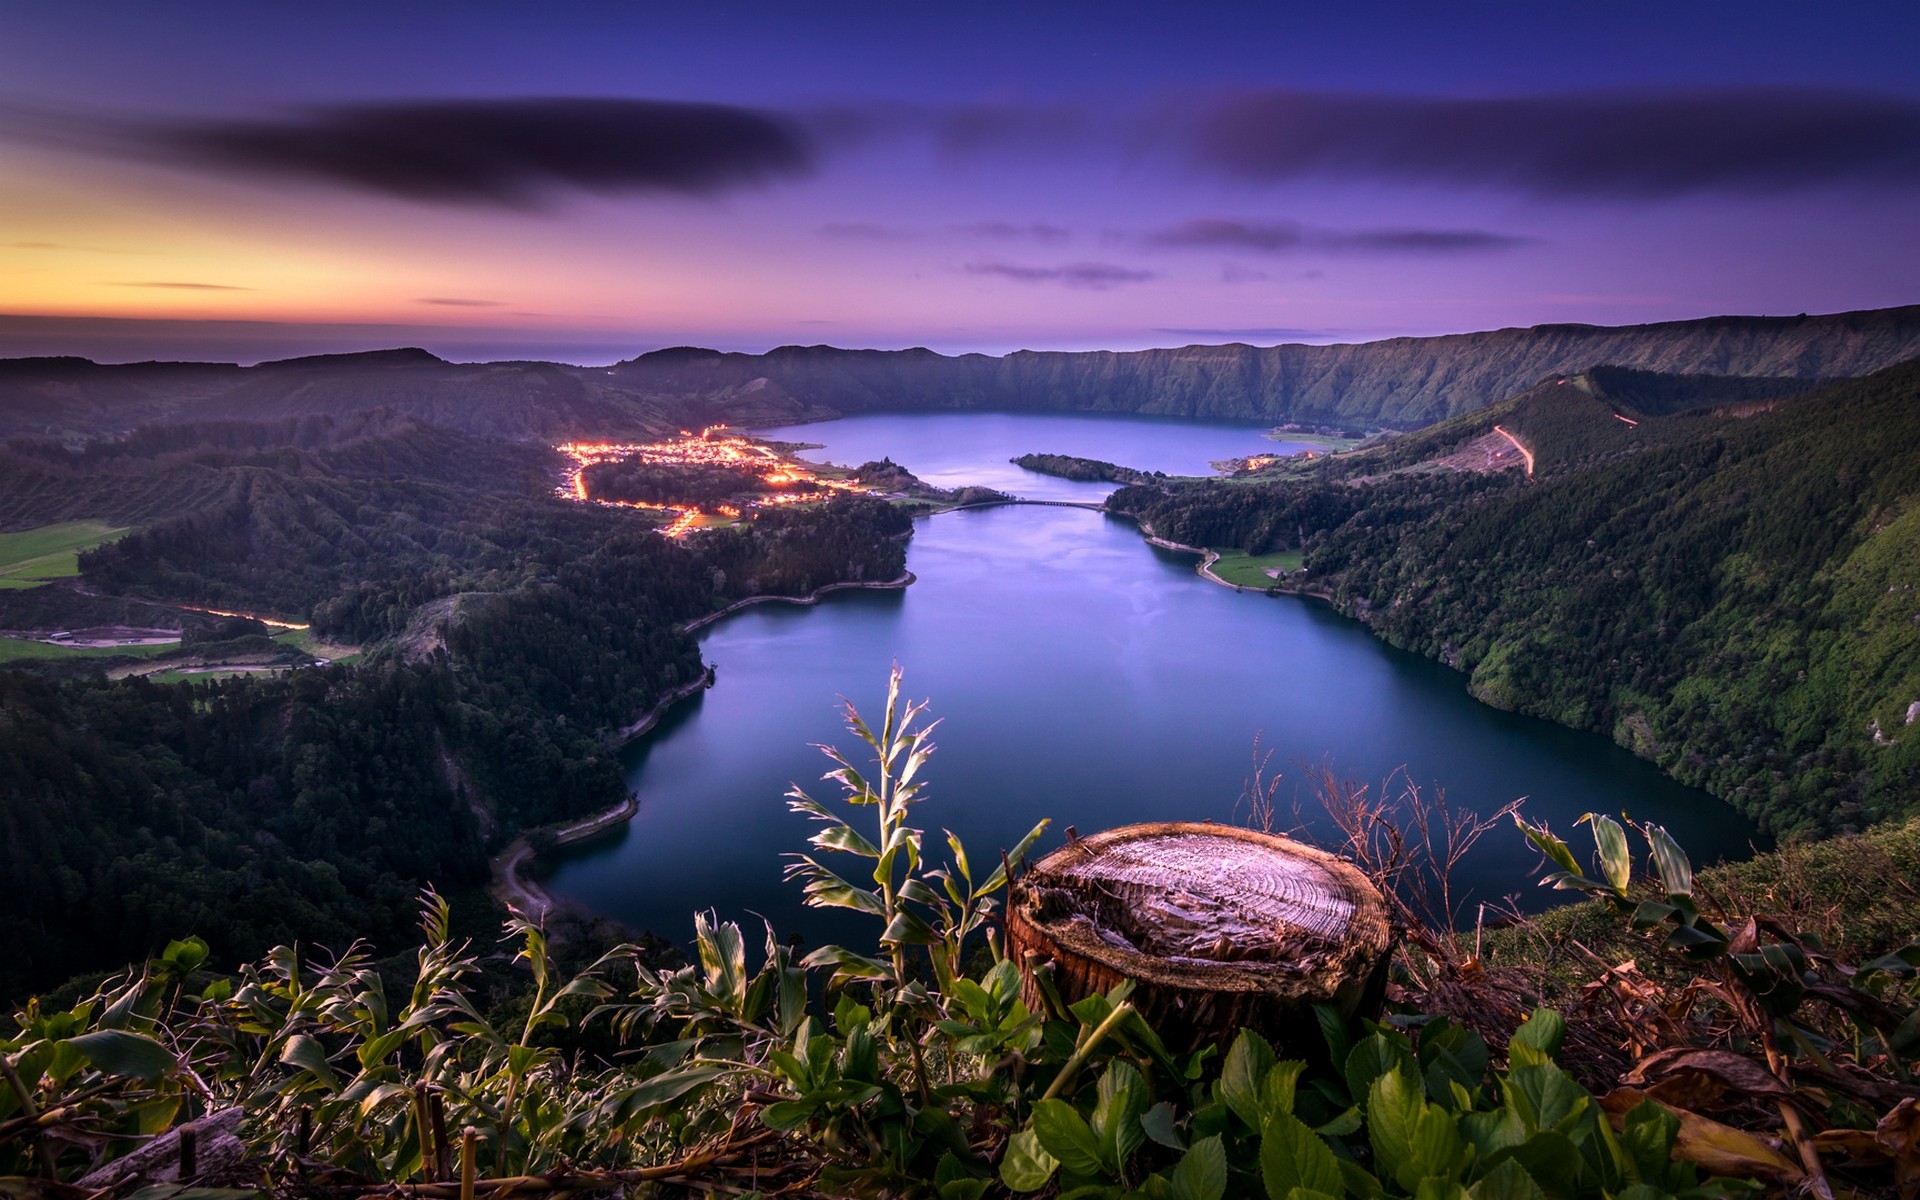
930	1067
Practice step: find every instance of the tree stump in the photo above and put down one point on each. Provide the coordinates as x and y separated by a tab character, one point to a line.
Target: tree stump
1218	927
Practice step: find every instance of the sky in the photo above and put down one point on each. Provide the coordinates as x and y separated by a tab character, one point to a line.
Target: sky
584	182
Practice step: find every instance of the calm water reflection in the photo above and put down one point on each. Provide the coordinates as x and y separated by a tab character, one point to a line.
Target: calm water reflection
1081	675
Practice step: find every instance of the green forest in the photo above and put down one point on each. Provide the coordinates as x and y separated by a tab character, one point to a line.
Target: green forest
511	630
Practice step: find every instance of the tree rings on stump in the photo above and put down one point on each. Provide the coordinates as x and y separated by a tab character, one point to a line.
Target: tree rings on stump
1219	928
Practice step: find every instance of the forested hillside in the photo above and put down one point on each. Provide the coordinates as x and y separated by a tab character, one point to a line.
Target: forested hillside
510	631
1399	383
1728	590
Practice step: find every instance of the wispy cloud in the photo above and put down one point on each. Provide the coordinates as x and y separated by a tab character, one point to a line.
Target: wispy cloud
1251	332
1093	275
509	152
1035	231
870	231
182	285
1626	144
458	302
1277	237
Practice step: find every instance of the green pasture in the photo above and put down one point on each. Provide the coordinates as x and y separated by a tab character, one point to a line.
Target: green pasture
31	557
19	649
1250	570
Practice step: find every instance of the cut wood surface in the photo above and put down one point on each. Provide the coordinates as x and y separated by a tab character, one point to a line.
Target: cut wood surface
1219	927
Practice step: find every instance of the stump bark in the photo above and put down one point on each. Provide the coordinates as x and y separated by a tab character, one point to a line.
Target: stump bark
1219	928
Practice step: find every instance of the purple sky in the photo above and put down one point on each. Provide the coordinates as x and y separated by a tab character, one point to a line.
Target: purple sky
585	182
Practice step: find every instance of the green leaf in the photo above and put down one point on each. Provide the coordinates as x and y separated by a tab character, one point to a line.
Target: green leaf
1067	1137
310	1056
1676	873
1333	1031
1248	1061
1123	1097
998	879
1545	1097
1543	1031
1026	1166
1616	861
1371	1058
1158	1123
1278	1088
908	930
1438	1149
846	838
120	1053
1201	1173
1394	1107
661	1090
1293	1156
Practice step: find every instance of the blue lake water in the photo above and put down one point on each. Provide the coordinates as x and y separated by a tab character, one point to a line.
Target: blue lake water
1079	674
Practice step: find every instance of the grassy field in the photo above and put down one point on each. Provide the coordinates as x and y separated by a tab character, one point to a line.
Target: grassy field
1327	442
1236	566
17	649
33	556
177	676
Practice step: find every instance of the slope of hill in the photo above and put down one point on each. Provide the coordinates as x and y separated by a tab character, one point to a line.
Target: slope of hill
1400	383
1729	595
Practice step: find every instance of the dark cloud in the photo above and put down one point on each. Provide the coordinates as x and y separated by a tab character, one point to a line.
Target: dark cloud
1277	237
507	152
1622	144
182	285
1218	232
1093	275
33	245
1037	231
459	302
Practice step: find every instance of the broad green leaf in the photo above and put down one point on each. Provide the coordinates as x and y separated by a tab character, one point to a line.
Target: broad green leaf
1545	1097
120	1053
1123	1097
1026	1166
1333	1031
1394	1106
1293	1156
1438	1148
1371	1058
909	930
1278	1088
663	1089
1616	861
1201	1173
846	838
1158	1123
310	1056
1248	1062
1067	1137
1543	1030
1508	1181
1676	873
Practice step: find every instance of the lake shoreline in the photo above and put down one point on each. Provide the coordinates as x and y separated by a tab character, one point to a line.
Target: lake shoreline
510	884
1209	557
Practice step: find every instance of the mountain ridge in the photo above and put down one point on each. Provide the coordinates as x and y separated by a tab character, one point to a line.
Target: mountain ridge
1400	383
